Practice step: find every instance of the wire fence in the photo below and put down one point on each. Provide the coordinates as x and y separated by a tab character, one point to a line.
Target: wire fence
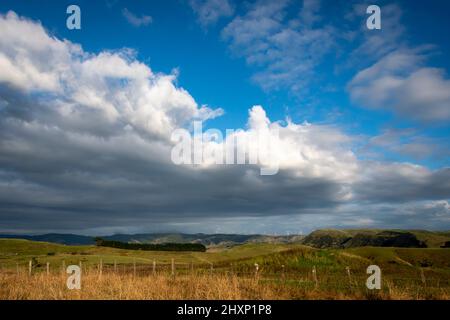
308	277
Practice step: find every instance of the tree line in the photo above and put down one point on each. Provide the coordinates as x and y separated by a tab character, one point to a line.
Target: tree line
151	246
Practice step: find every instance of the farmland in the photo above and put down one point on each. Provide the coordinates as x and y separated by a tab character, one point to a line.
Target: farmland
247	271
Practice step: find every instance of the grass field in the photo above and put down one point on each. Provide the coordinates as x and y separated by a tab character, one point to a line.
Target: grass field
284	272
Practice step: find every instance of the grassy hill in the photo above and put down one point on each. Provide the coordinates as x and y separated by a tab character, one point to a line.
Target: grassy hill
20	251
331	238
14	251
159	238
325	238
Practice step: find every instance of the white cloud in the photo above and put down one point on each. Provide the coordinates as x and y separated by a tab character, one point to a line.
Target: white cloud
210	11
305	150
397	78
113	83
135	20
397	82
24	59
286	50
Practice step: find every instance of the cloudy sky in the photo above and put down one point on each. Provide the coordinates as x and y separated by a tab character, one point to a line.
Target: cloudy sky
86	116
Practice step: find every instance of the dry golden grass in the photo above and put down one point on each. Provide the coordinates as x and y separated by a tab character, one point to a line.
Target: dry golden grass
196	286
114	286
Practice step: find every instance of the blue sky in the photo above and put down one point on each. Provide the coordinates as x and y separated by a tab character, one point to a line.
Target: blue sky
310	61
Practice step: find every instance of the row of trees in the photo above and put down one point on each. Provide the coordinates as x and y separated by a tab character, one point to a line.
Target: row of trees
150	246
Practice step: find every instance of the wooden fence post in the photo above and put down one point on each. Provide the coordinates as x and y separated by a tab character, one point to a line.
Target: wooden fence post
173	267
314	273
48	268
349	275
100	268
422	277
30	267
154	267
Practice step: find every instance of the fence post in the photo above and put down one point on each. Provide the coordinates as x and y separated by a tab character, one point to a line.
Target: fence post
30	267
173	267
314	273
48	268
349	275
422	276
154	267
256	273
100	268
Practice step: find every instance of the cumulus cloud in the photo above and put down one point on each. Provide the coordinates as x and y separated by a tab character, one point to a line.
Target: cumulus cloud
397	82
395	76
85	145
136	20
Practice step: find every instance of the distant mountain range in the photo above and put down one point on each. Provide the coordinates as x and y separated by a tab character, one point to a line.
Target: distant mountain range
68	239
327	238
205	239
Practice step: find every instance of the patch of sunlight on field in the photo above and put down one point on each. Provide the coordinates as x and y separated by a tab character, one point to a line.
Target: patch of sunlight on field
14	251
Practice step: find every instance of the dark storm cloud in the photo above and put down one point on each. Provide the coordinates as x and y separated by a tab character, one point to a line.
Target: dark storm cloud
50	179
402	183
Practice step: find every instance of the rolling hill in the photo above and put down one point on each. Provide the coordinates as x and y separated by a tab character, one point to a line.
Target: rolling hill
331	238
326	238
209	240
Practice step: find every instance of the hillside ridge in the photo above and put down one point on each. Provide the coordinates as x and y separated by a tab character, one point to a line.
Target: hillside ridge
322	238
